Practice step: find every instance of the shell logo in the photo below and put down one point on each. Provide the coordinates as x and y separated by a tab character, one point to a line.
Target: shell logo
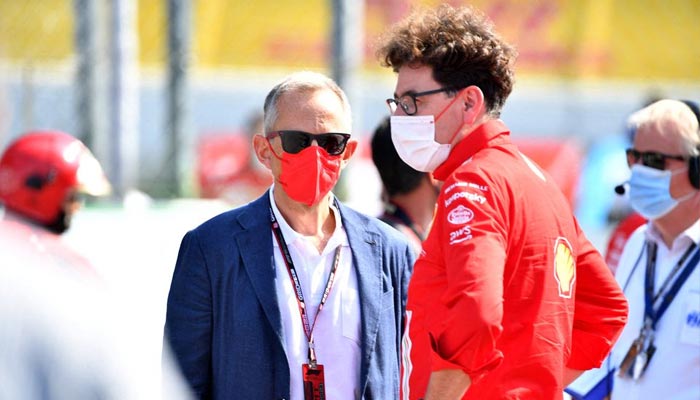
564	267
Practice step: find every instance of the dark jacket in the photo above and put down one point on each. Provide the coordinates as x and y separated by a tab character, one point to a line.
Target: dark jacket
223	321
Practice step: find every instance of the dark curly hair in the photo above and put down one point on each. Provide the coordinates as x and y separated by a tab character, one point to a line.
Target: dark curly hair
460	45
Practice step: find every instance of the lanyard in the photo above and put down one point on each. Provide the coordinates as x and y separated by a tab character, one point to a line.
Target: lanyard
651	315
308	327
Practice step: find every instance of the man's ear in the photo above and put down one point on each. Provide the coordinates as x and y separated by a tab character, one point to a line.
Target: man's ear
262	150
349	151
473	103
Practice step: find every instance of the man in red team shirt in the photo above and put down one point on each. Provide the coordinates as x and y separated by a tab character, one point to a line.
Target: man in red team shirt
508	300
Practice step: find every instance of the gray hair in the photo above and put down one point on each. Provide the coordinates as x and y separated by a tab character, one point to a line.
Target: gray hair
670	117
304	81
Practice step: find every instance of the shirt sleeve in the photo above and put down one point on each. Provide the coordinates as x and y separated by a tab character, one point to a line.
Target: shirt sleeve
189	316
472	239
600	309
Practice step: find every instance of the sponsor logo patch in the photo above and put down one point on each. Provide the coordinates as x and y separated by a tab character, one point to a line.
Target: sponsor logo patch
476	198
460	215
471	185
461	234
564	267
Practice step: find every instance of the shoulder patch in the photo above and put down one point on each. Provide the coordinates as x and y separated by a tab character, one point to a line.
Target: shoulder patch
564	267
460	215
472	197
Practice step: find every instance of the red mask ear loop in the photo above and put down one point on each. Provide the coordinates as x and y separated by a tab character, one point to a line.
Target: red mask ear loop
272	150
445	109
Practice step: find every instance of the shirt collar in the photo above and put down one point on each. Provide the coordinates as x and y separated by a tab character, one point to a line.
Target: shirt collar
692	233
487	134
290	235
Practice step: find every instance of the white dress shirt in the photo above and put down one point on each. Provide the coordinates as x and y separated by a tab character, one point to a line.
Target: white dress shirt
337	331
674	370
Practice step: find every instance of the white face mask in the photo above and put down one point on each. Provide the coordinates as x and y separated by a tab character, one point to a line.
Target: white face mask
414	139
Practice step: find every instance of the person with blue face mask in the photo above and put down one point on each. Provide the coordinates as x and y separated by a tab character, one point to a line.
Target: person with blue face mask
658	353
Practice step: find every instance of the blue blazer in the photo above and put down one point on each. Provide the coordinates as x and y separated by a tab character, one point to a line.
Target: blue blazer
223	322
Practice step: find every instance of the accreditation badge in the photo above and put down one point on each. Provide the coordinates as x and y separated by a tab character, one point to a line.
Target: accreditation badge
625	368
314	382
638	356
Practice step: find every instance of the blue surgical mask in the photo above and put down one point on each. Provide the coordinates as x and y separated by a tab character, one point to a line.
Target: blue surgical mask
650	191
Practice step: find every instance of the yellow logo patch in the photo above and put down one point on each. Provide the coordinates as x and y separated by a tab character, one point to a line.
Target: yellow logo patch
564	267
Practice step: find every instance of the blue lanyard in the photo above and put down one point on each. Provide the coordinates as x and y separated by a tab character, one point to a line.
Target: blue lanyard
651	315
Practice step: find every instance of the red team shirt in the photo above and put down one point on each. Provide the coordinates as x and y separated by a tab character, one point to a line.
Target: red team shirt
501	272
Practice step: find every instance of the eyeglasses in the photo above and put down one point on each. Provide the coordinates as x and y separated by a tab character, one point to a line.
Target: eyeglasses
407	102
296	141
650	158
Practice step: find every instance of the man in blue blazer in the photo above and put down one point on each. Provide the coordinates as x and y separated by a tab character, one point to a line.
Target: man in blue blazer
293	296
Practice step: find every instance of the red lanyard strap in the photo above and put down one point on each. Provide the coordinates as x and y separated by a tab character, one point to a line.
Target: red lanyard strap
308	328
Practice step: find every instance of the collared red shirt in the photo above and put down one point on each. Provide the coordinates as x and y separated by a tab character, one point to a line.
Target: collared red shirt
337	331
507	288
674	370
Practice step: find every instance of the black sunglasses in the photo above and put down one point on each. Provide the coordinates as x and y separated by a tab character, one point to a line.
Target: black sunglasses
650	159
407	102
296	141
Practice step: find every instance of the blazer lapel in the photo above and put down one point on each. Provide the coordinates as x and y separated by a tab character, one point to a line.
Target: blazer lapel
366	255
255	245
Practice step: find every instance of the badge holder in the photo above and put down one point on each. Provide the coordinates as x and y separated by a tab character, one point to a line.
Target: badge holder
639	355
314	380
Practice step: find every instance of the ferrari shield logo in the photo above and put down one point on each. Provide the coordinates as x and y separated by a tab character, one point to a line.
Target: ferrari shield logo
564	267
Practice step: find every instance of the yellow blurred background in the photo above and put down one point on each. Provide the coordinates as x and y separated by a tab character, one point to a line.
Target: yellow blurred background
619	39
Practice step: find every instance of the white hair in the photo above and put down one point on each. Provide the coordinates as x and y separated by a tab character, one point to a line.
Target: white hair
304	81
670	117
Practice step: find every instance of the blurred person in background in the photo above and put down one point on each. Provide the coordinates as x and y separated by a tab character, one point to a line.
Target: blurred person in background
293	296
63	336
43	177
409	196
508	298
658	354
253	179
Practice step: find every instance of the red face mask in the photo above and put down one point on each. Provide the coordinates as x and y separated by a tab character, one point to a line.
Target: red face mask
309	175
